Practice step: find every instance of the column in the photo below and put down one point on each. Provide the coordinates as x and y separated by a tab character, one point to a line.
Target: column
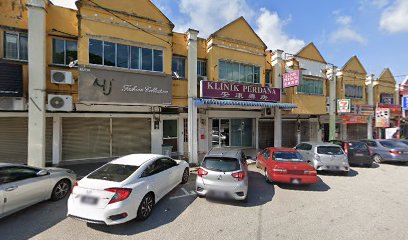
56	140
333	101
37	82
343	129
192	93
370	101
277	64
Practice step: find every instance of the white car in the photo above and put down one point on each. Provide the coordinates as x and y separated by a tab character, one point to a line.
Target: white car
22	186
125	188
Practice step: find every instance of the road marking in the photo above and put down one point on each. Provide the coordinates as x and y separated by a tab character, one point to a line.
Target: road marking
186	194
184	190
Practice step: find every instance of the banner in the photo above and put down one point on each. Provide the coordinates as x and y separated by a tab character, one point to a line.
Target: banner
291	79
382	117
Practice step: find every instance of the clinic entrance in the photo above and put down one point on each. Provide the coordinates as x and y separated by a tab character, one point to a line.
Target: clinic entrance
232	132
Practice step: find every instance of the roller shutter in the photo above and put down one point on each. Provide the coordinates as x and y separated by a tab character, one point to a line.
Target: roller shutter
130	135
266	133
289	129
85	138
356	131
304	131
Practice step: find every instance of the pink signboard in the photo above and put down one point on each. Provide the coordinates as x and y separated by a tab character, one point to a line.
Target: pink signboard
239	91
291	79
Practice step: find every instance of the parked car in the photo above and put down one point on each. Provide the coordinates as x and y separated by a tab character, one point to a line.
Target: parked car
324	156
125	188
387	150
22	186
285	165
403	141
223	174
358	152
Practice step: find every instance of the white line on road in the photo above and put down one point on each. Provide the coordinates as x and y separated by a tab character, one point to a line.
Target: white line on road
186	194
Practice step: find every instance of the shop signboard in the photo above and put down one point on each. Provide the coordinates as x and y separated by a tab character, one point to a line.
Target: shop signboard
365	110
98	85
405	102
343	105
394	108
382	117
239	91
349	119
291	79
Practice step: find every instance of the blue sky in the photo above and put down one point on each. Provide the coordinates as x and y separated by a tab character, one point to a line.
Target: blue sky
374	30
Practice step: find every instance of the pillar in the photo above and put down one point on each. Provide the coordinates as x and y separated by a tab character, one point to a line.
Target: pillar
343	129
37	82
332	102
192	93
56	140
370	101
277	64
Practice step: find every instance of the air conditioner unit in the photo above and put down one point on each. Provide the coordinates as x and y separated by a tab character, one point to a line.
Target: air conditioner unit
62	103
13	104
61	77
267	112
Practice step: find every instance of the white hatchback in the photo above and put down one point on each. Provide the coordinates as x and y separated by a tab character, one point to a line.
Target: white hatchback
125	188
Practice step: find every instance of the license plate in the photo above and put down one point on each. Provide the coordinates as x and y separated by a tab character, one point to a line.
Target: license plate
359	154
89	200
218	194
295	181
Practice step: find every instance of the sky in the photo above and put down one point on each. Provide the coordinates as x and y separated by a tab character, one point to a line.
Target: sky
374	30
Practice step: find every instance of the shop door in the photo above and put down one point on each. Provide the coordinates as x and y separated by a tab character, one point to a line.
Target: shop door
304	131
356	131
289	133
131	135
266	133
170	136
241	132
220	132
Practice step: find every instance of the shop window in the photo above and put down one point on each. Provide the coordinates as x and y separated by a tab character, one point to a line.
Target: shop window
147	59
135	57
179	67
64	51
95	52
353	91
310	87
387	98
122	57
202	68
268	77
109	54
158	61
16	46
238	72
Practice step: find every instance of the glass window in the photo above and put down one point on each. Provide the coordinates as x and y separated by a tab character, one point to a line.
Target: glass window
13	174
392	144
71	48
353	91
387	98
135	58
268	77
23	47
147	59
179	66
329	150
238	72
257	75
58	53
113	172
122	56
109	53
201	68
221	164
95	52
311	87
158	60
11	43
222	70
288	157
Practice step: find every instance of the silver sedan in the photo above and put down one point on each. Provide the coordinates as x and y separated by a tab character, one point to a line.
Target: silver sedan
22	186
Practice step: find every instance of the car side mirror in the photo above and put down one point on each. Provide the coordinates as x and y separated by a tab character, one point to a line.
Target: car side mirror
42	173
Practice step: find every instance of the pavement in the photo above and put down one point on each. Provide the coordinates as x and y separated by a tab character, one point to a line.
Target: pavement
370	203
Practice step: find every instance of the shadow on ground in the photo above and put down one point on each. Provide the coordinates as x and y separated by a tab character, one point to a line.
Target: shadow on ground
401	164
320	186
351	173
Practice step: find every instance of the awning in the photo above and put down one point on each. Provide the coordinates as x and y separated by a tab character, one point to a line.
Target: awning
221	102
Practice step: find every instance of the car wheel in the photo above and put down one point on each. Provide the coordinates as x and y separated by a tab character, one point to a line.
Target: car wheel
267	178
60	190
377	158
186	174
368	165
145	207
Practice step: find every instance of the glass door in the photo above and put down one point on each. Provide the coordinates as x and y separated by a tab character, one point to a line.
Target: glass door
241	132
220	132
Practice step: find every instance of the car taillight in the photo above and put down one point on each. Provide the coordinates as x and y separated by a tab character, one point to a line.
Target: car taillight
346	148
238	175
201	172
310	172
395	152
369	151
120	194
280	170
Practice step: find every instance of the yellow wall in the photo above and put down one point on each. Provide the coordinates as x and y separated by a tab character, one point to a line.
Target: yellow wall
353	74
384	84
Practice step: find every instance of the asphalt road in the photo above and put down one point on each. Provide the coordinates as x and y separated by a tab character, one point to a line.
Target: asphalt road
368	204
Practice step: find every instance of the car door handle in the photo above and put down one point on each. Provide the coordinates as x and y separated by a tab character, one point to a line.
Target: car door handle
9	189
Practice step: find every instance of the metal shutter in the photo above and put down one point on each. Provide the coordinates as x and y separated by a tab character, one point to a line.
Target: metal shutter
130	135
266	133
48	140
289	129
84	138
304	131
356	131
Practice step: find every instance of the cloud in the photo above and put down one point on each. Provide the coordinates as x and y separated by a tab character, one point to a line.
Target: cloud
345	32
270	29
394	19
65	3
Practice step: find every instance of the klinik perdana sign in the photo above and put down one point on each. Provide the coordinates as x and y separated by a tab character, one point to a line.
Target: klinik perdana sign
239	91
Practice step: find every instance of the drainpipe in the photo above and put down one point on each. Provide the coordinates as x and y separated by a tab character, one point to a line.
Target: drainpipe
370	101
277	63
36	83
192	93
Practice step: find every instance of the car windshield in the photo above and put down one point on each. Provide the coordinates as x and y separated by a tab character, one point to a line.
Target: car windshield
391	144
329	150
404	142
288	157
113	172
221	164
357	146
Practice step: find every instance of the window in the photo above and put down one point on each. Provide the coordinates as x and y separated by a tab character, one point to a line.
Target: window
124	56
304	146
287	157
371	143
354	91
221	164
113	172
267	154
167	163
64	51
238	72
16	46
310	87
392	144
202	68
13	174
329	150
268	77
387	98
179	67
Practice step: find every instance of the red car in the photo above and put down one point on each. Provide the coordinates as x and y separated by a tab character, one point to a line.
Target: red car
285	165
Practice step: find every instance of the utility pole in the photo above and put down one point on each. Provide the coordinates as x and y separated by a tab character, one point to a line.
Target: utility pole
331	75
370	101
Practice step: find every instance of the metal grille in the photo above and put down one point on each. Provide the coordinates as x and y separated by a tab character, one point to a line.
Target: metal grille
185	130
